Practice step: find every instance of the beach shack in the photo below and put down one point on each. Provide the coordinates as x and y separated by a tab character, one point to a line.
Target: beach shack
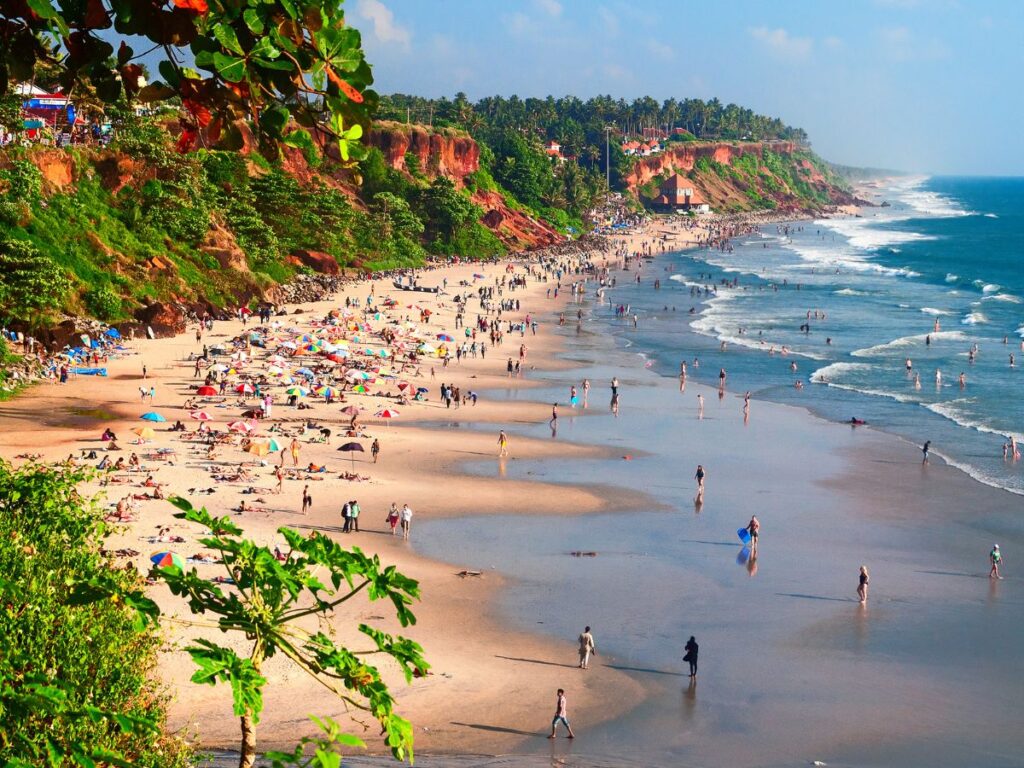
677	193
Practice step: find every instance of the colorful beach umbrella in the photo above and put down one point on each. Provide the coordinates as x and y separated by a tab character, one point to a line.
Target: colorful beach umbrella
167	560
201	415
206	391
444	337
359	389
153	416
245	389
146	433
297	391
240	426
387	413
258	449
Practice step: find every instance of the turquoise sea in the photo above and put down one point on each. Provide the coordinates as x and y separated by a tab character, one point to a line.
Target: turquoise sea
945	254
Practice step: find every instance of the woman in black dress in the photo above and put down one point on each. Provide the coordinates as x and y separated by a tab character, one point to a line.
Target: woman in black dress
691	655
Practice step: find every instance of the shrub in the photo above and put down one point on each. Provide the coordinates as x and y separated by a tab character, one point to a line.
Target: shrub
32	282
103	302
76	684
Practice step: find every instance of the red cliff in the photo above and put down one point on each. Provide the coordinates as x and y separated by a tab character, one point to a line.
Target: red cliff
681	158
440	153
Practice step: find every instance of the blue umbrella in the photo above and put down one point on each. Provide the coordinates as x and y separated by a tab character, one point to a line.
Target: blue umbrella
151	416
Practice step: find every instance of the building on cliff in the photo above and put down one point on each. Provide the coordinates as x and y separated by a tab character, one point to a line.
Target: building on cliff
677	193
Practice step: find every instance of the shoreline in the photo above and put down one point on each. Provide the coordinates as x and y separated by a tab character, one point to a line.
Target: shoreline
473	593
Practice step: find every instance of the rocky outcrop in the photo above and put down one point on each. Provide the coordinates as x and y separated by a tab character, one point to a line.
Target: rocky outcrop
56	168
318	261
682	158
439	153
163	318
220	243
514	228
118	171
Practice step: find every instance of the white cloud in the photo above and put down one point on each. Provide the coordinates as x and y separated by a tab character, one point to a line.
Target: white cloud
781	43
384	27
552	8
660	49
609	20
833	43
900	44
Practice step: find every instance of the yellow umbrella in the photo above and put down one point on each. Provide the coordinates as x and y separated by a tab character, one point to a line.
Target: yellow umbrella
259	449
146	433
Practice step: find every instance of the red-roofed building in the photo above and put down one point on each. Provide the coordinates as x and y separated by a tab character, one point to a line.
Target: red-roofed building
679	194
554	149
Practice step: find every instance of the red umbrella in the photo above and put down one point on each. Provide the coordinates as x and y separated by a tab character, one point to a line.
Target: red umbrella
403	385
200	415
245	389
206	390
240	426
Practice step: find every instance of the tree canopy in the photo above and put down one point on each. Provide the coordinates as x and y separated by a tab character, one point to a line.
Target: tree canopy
270	62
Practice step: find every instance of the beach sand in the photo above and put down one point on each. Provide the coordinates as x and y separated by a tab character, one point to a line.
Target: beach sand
792	668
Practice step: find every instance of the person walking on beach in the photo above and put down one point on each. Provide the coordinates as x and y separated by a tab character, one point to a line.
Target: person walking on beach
561	715
862	584
995	557
375	449
502	444
353	516
754	529
700	406
307	500
406	516
392	518
587	647
280	480
346	515
294	448
924	450
692	649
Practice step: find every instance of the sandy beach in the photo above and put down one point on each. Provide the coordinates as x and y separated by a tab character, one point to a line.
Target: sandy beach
477	670
795	670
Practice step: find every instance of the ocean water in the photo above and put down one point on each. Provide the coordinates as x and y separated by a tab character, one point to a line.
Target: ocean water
939	270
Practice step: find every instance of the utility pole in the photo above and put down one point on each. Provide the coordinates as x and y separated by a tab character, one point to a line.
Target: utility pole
607	164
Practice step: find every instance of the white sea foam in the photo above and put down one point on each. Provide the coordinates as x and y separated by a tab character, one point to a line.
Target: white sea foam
955	411
850	292
1009	298
830	372
990	216
834	258
933	311
951	278
896	345
718	323
862	233
990	287
974	318
926	202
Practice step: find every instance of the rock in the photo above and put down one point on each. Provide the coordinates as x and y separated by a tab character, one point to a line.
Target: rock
318	261
56	168
220	243
166	319
118	171
439	153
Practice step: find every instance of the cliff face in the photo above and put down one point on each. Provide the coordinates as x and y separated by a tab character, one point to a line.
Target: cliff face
683	157
439	154
456	157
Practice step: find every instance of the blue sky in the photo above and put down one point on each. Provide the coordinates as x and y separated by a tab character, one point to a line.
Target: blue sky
918	85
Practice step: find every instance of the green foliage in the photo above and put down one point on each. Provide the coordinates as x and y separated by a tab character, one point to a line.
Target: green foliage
271	607
272	62
76	684
104	302
33	284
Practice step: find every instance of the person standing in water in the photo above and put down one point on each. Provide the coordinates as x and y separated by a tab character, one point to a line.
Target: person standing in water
561	715
700	406
502	444
700	482
862	584
995	557
692	649
754	529
925	449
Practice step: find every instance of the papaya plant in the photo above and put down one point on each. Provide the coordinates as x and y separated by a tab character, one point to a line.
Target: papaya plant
272	603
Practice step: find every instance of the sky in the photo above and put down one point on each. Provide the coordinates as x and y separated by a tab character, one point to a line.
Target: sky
927	86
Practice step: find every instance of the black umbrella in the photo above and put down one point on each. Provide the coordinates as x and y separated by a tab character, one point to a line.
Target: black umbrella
352	448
